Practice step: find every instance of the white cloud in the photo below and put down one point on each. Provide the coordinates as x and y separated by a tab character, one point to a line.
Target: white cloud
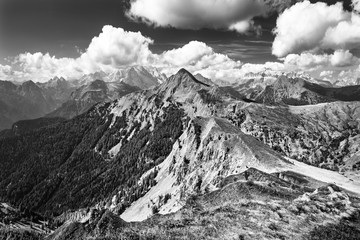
40	66
306	26
197	57
115	48
306	61
343	58
309	61
197	14
256	68
349	77
5	71
246	26
194	56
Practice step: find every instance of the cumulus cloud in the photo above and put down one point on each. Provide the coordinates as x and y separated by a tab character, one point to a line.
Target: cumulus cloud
309	61
348	77
116	48
5	71
27	65
342	58
194	56
306	61
113	48
256	68
306	26
197	14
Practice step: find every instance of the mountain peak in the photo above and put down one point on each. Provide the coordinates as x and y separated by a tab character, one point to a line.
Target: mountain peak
29	82
29	85
57	79
185	75
183	71
7	85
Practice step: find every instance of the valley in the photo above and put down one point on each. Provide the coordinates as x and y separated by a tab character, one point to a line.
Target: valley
187	158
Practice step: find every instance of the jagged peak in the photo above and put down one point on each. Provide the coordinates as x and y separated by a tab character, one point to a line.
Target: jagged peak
286	81
29	83
184	75
56	79
7	83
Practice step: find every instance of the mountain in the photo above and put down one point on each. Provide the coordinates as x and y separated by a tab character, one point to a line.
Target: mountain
25	101
25	126
203	79
58	88
190	159
264	207
88	78
101	87
136	76
276	88
302	92
22	223
83	98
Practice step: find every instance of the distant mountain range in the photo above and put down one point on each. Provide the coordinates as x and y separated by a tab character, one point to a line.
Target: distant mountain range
66	99
23	101
186	155
293	90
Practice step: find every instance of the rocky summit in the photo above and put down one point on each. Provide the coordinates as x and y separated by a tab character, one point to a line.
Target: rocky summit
189	160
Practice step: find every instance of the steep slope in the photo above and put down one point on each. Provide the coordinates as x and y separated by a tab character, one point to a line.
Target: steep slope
151	151
21	224
70	161
140	77
23	101
102	87
25	126
264	207
324	135
125	138
88	78
83	98
203	79
136	76
301	92
58	88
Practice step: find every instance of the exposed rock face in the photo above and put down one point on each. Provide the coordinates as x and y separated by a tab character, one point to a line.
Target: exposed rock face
21	102
273	88
324	135
101	87
58	88
214	145
136	76
151	151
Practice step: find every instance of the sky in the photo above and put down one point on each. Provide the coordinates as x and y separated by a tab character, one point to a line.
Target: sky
224	40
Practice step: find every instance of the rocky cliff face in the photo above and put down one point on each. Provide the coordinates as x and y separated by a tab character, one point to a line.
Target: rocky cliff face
102	87
324	135
152	151
214	145
25	101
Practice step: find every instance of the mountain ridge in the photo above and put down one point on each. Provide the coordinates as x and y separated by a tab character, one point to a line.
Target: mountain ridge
151	151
